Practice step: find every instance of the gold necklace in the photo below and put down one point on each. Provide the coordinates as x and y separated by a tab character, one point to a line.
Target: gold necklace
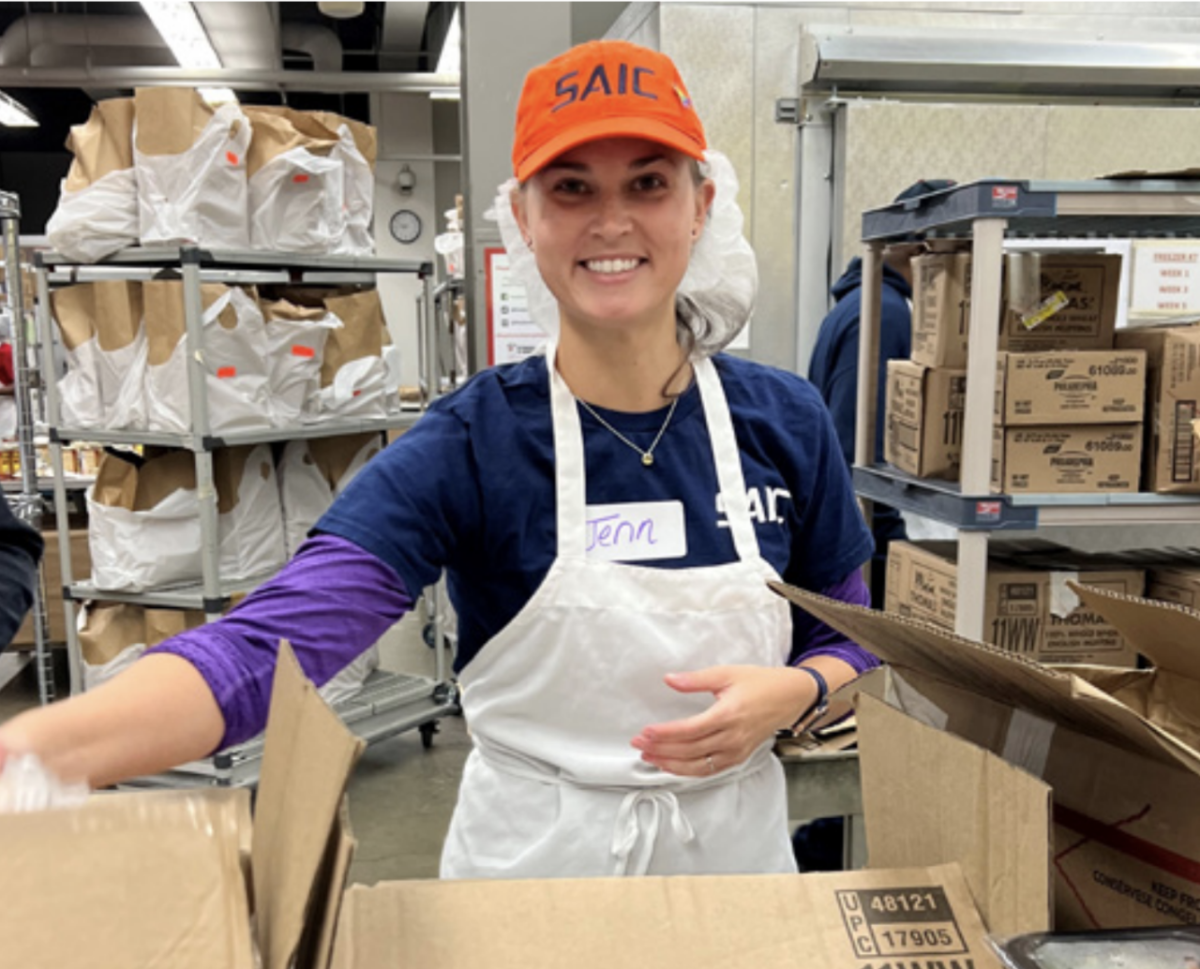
647	455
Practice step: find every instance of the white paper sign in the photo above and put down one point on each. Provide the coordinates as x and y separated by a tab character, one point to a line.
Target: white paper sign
636	532
512	333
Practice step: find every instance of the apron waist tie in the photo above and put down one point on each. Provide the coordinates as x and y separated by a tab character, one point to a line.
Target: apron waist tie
629	830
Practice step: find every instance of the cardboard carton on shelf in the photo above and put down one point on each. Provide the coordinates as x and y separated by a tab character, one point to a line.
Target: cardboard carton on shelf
1070	387
1179	584
181	855
1067	458
1173	357
1118	749
1075	305
1027	611
941	309
923	429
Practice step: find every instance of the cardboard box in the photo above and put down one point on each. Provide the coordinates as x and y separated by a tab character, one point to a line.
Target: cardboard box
1173	357
1180	585
923	430
1077	308
1070	387
1067	458
941	309
81	566
92	877
1118	748
1030	612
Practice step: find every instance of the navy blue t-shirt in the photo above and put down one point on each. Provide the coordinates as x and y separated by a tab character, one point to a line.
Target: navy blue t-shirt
470	488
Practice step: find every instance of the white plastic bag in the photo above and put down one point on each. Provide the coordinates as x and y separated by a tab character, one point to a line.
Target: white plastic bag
313	473
97	211
79	390
358	194
144	524
296	204
250	516
191	170
97	220
27	785
355	394
235	359
295	346
112	637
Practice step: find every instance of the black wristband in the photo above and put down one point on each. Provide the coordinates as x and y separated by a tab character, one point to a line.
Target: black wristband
821	703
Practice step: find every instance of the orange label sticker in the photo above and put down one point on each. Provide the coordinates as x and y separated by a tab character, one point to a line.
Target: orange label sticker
298	351
231	157
223	372
299	179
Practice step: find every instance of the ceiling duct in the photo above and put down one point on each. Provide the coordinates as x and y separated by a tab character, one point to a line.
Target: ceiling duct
995	62
37	38
319	43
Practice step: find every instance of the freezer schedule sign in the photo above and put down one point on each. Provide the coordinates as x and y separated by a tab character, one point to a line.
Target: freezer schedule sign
512	334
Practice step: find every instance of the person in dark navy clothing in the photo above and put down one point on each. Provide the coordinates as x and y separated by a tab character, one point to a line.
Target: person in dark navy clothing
20	552
833	367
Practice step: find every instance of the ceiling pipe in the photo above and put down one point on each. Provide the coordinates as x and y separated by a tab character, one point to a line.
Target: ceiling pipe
300	81
35	33
319	43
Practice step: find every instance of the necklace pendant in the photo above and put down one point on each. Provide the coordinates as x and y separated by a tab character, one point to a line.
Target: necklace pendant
647	460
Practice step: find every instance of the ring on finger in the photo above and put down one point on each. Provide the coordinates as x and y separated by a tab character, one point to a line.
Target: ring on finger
712	768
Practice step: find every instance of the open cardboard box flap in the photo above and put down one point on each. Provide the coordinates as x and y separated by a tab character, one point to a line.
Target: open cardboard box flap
1062	698
151	879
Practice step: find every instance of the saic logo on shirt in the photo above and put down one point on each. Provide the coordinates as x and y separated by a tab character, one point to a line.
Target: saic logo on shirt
628	82
764	506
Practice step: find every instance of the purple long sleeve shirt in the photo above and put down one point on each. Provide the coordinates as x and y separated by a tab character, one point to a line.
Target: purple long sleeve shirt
333	601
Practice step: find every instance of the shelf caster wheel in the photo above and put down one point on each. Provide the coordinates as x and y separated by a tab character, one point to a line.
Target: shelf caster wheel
427	732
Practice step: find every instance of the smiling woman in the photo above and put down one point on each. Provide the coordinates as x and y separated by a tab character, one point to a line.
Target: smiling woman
601	514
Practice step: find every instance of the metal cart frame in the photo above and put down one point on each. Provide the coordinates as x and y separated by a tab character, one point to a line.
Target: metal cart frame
390	703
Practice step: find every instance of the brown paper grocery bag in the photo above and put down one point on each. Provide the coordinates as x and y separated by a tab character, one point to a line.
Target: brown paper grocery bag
111	629
102	145
116	482
73	311
361	333
365	136
229	467
333	455
278	130
170	119
283	309
162	476
161	624
166	322
117	305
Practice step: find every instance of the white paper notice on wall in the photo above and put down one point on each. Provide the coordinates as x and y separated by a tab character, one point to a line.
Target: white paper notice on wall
512	334
1166	278
1063	600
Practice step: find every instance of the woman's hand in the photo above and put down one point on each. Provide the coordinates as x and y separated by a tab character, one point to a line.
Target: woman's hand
752	703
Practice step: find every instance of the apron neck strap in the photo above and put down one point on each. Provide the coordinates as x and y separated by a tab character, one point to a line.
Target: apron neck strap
727	458
571	492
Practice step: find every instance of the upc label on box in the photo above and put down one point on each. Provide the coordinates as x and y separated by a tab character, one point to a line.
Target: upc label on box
900	922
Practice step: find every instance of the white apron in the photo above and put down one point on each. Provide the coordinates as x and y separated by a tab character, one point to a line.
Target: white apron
553	787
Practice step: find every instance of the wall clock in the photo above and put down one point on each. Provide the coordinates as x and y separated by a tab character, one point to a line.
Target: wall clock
405	226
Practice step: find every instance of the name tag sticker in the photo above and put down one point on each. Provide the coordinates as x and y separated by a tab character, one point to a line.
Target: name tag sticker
638	532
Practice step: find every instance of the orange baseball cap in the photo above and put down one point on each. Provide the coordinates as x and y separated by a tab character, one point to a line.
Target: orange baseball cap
603	89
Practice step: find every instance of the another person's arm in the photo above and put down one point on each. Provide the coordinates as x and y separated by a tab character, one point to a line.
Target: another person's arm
210	687
20	552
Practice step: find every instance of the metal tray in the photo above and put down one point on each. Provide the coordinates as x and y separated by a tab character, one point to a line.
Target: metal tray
1157	948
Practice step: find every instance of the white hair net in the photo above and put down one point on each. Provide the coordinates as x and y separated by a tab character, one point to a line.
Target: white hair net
714	300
